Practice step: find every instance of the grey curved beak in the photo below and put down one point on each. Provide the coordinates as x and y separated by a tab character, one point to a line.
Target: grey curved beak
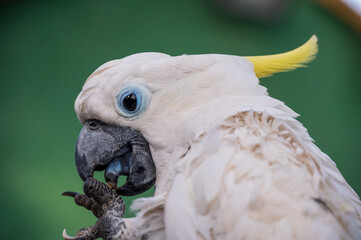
119	151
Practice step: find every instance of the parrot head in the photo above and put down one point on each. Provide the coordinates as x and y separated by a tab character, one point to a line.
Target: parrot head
141	112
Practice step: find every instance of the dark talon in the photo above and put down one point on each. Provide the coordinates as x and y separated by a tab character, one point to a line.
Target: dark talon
69	194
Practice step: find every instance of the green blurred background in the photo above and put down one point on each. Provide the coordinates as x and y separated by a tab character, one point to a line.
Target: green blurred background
49	48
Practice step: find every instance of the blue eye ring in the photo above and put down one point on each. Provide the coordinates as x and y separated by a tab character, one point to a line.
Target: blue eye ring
132	100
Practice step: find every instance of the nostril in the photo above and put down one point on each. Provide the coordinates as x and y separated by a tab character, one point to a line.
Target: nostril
93	125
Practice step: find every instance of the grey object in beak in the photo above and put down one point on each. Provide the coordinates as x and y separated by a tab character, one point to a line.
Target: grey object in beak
119	151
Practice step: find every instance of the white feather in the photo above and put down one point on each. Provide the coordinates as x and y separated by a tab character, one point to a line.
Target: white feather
232	162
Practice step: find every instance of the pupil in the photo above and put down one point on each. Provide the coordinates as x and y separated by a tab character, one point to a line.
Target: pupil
130	102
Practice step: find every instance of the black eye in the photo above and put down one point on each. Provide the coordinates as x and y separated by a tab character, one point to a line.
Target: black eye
130	101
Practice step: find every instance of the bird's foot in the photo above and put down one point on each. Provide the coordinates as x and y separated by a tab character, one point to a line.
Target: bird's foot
105	204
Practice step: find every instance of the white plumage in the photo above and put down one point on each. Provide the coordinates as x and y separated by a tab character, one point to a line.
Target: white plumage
232	162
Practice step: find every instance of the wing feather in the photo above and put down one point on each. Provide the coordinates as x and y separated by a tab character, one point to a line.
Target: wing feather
264	179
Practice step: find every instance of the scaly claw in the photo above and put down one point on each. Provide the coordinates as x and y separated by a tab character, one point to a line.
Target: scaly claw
99	191
85	201
106	205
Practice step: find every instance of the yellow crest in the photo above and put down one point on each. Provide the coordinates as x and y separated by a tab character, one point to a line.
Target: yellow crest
265	66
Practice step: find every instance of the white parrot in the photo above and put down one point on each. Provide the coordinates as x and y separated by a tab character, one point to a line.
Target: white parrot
230	161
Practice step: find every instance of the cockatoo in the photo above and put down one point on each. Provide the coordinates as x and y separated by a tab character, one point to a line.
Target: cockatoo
228	161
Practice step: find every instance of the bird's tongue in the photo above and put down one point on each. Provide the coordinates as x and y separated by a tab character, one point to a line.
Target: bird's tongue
117	167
